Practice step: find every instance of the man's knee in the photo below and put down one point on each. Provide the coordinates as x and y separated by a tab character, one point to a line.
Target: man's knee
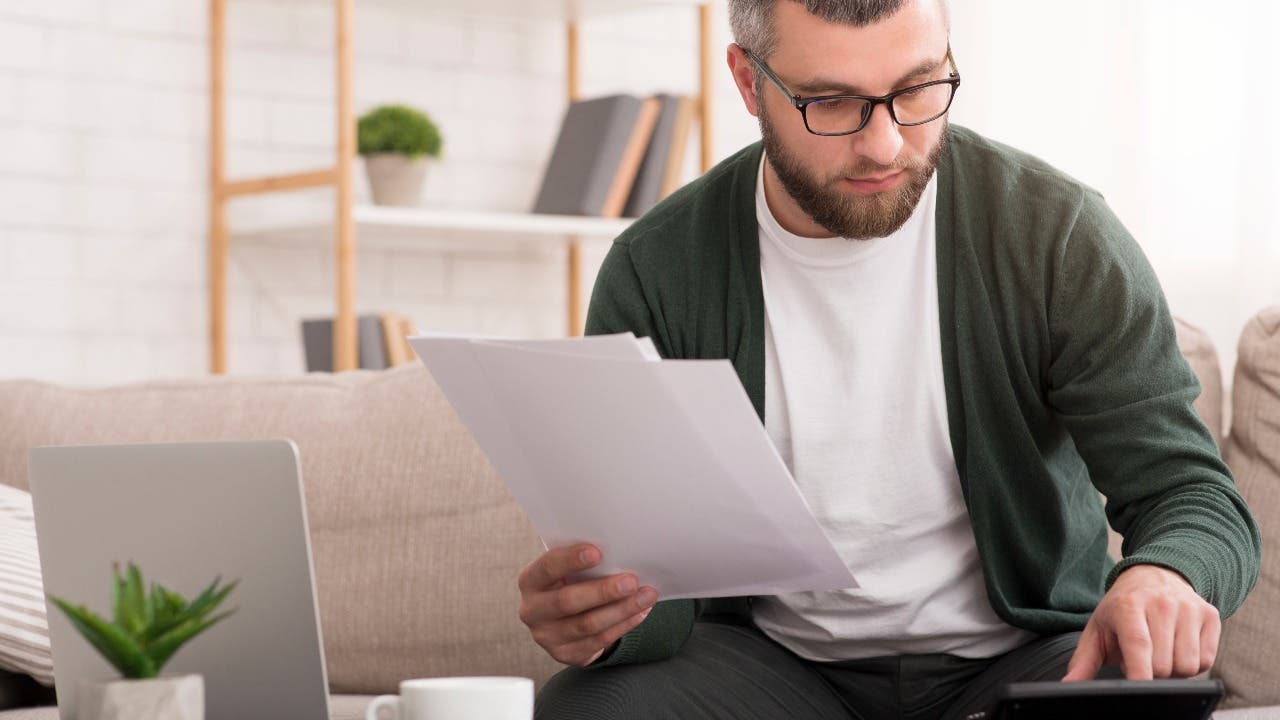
614	693
723	672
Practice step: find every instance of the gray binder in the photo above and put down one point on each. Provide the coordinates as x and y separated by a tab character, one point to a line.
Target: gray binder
317	343
588	155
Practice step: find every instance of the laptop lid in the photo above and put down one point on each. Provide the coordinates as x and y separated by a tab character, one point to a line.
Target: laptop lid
187	513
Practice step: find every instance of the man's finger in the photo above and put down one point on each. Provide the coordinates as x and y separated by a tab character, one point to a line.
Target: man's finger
554	565
1134	638
1186	644
1162	627
1210	633
583	651
577	598
598	620
1088	657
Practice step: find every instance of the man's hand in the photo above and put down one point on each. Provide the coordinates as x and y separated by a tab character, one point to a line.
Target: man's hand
576	622
1153	624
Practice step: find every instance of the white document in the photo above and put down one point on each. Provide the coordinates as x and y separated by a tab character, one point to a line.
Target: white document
662	464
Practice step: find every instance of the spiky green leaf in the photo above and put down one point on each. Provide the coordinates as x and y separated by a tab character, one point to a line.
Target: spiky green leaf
174	603
115	645
175	611
168	613
119	597
210	599
131	612
158	603
148	610
166	645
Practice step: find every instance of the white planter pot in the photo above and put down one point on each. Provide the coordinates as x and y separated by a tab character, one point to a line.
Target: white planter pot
396	179
166	698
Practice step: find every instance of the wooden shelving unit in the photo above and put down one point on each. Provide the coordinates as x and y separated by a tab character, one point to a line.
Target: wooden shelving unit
349	217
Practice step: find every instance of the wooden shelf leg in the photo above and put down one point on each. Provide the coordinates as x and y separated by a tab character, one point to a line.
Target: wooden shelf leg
573	77
217	199
705	85
576	318
345	351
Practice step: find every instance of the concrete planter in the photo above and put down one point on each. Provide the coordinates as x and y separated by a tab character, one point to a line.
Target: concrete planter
396	179
166	698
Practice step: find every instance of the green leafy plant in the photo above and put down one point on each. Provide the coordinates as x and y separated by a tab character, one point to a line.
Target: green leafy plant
398	129
149	626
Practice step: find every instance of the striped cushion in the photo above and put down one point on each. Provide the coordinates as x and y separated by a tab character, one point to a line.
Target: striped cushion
24	630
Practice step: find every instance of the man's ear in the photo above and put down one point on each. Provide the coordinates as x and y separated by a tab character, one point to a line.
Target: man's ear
743	75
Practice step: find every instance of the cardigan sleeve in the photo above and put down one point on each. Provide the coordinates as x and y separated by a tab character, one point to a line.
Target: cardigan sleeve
1118	382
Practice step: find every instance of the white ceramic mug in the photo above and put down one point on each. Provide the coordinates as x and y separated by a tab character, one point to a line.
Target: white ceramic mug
459	698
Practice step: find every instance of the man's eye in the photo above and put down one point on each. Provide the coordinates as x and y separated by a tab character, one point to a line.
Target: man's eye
833	105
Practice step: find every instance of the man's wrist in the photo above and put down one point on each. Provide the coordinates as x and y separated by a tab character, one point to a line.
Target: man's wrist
1147	568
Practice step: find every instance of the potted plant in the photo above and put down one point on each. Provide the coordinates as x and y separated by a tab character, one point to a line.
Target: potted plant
396	142
148	628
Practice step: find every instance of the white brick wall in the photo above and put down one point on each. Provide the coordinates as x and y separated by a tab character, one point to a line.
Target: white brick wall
103	165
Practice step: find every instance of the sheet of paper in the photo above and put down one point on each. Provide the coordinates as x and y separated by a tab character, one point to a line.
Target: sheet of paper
663	465
453	363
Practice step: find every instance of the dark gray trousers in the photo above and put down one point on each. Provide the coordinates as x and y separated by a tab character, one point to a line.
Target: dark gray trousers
735	672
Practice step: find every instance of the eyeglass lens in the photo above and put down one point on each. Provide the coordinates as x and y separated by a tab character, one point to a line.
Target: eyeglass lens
844	115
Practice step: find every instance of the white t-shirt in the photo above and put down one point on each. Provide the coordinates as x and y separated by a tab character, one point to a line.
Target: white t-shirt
855	404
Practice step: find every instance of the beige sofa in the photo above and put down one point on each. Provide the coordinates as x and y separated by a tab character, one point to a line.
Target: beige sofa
417	543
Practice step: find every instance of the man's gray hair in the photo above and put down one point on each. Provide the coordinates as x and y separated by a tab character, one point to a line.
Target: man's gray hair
753	26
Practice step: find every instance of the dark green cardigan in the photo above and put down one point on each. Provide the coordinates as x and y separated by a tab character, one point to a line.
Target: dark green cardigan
1063	378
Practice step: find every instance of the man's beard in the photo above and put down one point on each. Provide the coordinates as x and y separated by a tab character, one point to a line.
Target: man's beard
856	217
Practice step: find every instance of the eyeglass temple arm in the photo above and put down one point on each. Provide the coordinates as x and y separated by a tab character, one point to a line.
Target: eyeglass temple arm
795	99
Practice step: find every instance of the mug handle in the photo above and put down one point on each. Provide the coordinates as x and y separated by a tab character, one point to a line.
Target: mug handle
391	701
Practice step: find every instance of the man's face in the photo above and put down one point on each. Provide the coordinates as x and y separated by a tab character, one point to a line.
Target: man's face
864	185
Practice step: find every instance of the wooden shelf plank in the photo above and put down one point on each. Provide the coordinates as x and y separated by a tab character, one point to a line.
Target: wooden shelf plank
496	222
384	228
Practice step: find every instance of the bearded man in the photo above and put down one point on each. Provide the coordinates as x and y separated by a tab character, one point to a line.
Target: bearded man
955	348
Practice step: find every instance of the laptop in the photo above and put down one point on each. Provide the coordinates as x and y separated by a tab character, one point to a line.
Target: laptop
187	514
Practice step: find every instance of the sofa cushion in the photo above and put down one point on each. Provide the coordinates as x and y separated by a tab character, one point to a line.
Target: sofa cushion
1249	658
1251	713
416	541
1197	348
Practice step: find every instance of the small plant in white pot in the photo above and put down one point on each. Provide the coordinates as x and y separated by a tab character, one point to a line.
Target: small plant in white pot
148	628
397	142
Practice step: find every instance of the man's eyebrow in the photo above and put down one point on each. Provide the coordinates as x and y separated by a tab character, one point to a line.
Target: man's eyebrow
820	84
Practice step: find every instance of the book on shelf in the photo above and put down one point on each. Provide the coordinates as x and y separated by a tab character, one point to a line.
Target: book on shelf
663	163
396	330
381	342
597	155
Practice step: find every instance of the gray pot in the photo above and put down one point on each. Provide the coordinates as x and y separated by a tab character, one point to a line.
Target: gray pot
396	179
166	698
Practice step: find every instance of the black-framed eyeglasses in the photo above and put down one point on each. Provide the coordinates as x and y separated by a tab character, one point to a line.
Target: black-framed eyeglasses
847	114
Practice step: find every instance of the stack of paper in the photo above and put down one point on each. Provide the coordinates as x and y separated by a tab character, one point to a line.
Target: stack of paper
662	464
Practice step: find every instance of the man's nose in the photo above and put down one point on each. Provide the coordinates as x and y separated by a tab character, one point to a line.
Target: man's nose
880	140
